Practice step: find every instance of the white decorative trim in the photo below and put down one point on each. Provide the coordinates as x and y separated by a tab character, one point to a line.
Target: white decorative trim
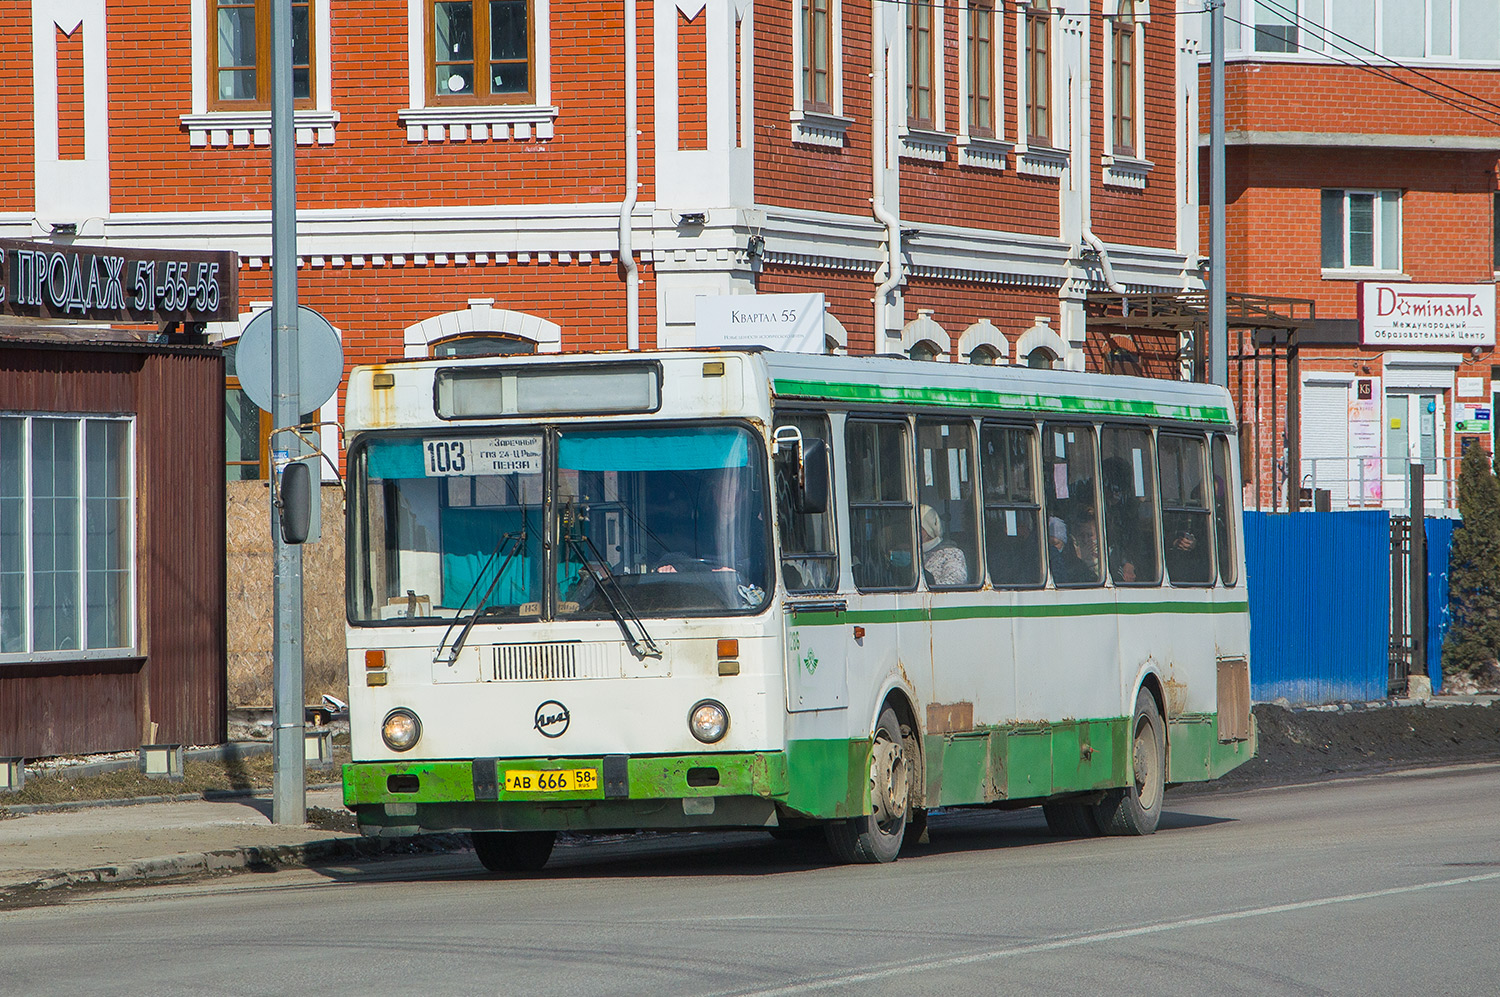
983	153
983	333
244	134
1126	171
220	129
919	143
1365	274
1041	161
480	317
70	189
816	128
924	329
1040	335
834	330
479	123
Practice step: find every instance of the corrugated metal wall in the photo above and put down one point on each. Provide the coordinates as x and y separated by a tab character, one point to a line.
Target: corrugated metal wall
1319	605
1439	547
65	707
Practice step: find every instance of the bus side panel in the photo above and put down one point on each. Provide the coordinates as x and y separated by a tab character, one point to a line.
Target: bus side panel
828	778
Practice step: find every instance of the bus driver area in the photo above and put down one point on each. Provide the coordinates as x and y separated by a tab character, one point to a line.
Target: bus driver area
991	587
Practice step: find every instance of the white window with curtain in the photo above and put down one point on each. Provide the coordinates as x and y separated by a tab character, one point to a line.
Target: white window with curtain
1361	231
1356	30
67	542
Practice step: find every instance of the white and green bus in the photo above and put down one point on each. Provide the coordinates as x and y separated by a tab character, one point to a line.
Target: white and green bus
741	589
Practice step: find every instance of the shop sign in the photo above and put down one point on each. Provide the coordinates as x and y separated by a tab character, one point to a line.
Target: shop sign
1471	418
790	322
1426	314
112	284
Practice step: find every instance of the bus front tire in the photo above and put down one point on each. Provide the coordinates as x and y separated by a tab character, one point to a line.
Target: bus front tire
877	836
1071	820
513	851
1136	809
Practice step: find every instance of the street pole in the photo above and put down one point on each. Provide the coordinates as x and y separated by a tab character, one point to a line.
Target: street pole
289	793
1218	321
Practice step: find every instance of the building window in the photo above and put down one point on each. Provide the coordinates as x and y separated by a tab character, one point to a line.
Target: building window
240	72
482	345
1038	73
920	110
1275	25
480	52
1041	358
1122	80
817	55
247	428
67	549
1362	230
981	69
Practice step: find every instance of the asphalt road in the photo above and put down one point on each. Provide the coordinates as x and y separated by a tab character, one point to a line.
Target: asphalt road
1383	885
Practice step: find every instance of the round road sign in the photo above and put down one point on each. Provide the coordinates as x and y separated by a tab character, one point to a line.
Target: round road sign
320	359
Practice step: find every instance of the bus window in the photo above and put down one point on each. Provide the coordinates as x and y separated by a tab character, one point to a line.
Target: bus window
947	522
1129	505
808	560
1070	475
1184	511
1224	513
1012	516
880	513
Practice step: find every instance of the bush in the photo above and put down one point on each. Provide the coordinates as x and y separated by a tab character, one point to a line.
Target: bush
1473	642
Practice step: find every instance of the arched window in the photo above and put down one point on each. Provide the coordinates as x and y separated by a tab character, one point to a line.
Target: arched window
482	345
1041	358
985	355
924	349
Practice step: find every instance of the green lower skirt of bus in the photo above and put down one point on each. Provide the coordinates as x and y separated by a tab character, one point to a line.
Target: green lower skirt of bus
817	779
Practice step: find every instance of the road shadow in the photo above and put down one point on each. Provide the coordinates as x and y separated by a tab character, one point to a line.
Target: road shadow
746	853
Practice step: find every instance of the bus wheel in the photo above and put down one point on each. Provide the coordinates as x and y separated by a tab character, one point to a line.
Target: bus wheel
1071	820
513	851
1137	808
876	836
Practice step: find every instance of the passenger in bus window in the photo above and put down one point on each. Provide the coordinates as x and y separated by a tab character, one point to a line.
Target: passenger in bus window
1067	568
1086	547
942	561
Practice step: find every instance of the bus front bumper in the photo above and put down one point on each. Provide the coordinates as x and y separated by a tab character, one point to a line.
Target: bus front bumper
593	794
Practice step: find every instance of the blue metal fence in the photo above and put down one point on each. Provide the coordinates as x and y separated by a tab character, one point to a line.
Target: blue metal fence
1320	597
1439	546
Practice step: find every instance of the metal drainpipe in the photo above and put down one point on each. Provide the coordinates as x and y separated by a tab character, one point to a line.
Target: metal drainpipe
1098	244
879	151
632	183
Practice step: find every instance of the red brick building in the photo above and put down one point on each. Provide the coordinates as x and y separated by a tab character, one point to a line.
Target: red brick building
1361	153
957	178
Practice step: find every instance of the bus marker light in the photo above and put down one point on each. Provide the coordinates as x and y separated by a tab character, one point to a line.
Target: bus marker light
729	667
729	647
859	633
375	659
708	721
713	368
375	678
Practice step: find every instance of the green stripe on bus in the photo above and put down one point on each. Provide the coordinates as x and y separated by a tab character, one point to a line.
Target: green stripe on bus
974	398
824	618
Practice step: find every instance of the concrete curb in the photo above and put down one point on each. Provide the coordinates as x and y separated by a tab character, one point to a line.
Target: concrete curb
228	860
208	795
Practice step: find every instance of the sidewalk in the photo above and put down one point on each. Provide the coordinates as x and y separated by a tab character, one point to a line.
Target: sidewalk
79	846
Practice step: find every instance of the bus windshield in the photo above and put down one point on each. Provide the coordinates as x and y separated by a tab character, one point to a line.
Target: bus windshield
663	521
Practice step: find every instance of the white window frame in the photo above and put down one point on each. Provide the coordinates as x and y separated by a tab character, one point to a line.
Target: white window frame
236	129
1126	169
1380	268
922	143
810	127
984	152
131	649
477	122
1041	160
1314	41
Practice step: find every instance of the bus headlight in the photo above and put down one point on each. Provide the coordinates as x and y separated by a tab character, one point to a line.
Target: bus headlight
401	729
708	721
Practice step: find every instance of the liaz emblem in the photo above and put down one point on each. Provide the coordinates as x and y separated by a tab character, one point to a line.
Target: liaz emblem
810	662
551	719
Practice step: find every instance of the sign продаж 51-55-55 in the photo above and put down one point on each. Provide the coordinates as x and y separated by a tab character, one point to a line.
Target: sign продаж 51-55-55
111	284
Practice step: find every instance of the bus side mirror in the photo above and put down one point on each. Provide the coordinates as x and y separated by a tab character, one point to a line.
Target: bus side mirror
812	493
296	502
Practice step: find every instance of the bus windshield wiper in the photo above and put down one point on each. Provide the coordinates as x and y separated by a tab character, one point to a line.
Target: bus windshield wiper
609	587
518	542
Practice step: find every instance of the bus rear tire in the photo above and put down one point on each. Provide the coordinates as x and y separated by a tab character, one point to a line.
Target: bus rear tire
877	836
513	851
1136	809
